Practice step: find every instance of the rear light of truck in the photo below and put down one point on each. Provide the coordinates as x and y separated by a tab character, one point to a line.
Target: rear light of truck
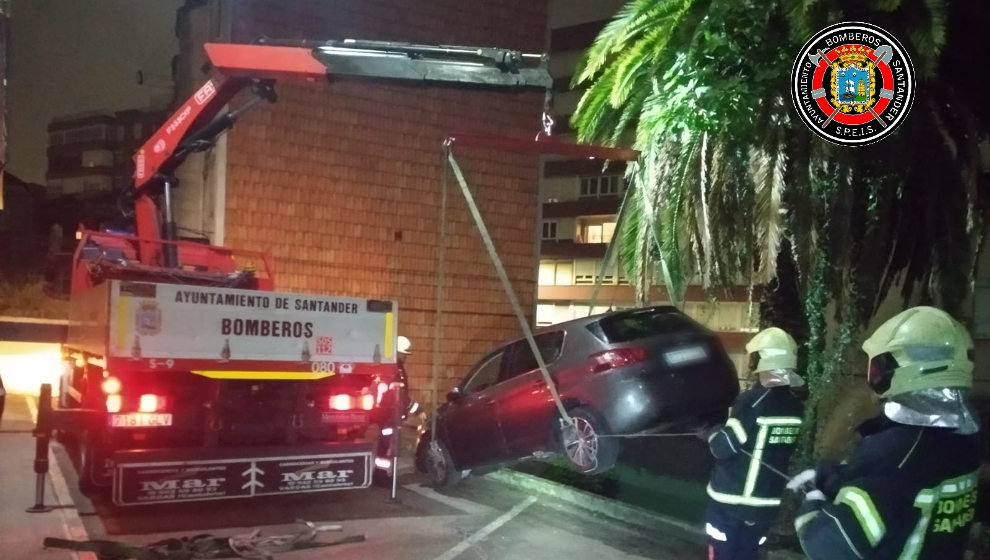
349	402
114	403
151	403
341	402
620	357
111	386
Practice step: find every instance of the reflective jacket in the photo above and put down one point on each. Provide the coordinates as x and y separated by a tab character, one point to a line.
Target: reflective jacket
763	428
907	493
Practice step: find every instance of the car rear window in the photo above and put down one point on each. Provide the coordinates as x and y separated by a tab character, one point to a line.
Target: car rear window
635	325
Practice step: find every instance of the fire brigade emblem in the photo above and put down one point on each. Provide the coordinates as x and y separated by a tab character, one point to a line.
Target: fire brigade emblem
852	84
148	318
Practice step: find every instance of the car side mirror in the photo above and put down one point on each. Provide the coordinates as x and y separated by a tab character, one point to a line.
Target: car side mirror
455	395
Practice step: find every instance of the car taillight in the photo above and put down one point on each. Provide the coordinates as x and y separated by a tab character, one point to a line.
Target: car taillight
114	403
611	359
111	385
151	403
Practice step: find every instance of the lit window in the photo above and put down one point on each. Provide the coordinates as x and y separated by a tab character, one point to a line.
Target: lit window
608	230
544	314
547	273
565	274
594	234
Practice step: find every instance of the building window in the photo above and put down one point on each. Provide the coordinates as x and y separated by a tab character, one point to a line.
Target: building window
585	272
556	273
606	185
544	314
549	230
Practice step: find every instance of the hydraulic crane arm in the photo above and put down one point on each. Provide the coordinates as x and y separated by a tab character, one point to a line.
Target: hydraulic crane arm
192	126
195	125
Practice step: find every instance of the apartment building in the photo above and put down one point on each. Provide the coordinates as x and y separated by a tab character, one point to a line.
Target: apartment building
90	153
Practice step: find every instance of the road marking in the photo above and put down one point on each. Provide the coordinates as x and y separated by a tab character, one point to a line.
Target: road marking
71	524
487	530
460	504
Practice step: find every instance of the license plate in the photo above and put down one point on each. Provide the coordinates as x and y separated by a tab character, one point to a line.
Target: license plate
140	420
344	417
685	355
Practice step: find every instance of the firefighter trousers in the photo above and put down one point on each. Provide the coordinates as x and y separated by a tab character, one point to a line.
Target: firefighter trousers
733	538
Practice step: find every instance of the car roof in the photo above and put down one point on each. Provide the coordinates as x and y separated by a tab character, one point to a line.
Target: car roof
585	321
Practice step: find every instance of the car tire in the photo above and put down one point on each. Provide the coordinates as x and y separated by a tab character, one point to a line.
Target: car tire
586	446
439	466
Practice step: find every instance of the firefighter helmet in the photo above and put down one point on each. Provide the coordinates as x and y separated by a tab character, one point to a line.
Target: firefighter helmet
920	348
404	346
771	349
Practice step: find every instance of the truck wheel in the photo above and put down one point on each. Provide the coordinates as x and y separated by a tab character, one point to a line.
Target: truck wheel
439	465
90	465
583	445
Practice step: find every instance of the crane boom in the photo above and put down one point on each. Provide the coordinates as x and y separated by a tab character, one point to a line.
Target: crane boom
195	124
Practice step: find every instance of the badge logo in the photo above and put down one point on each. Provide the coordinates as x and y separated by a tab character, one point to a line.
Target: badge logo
853	83
148	320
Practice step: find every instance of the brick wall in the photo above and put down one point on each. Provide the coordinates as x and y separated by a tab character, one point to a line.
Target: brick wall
342	181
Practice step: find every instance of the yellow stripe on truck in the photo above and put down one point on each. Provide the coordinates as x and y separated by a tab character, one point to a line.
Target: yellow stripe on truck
122	316
389	334
272	375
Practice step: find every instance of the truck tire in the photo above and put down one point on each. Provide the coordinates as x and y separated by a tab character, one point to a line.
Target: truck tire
586	445
91	454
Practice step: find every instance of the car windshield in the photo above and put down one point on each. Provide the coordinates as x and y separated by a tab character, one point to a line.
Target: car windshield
635	325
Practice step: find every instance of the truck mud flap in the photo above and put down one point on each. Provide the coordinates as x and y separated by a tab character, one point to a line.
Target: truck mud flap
189	475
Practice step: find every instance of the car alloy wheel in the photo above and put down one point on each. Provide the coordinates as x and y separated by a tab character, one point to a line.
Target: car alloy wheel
440	466
581	444
586	443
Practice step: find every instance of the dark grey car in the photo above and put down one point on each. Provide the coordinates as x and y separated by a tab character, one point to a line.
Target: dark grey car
626	372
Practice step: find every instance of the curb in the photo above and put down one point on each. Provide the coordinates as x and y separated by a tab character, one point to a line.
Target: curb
626	513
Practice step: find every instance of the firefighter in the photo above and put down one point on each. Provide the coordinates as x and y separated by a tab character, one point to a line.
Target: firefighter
409	406
762	430
396	404
909	488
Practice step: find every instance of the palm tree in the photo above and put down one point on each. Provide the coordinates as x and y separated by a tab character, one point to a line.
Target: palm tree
727	175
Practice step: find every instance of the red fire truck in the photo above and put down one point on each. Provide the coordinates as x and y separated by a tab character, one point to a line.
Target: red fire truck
187	377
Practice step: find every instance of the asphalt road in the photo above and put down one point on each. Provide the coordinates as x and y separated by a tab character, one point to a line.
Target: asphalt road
480	519
483	518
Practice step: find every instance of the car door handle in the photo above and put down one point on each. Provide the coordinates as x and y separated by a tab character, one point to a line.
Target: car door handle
488	402
540	383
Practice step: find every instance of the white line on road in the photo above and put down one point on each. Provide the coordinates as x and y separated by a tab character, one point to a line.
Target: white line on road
460	504
486	530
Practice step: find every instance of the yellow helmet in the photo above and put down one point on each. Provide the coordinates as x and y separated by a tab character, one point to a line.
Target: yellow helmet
920	348
771	349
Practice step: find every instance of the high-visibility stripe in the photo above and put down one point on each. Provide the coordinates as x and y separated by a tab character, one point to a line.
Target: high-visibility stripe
714	533
737	428
734	499
779	421
274	375
756	461
800	522
862	506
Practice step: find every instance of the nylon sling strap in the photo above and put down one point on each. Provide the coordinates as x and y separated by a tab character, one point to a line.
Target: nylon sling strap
506	284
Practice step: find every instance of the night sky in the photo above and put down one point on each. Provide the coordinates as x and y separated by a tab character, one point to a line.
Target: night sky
72	56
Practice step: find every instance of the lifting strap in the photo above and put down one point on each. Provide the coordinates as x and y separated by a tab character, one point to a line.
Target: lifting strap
504	279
